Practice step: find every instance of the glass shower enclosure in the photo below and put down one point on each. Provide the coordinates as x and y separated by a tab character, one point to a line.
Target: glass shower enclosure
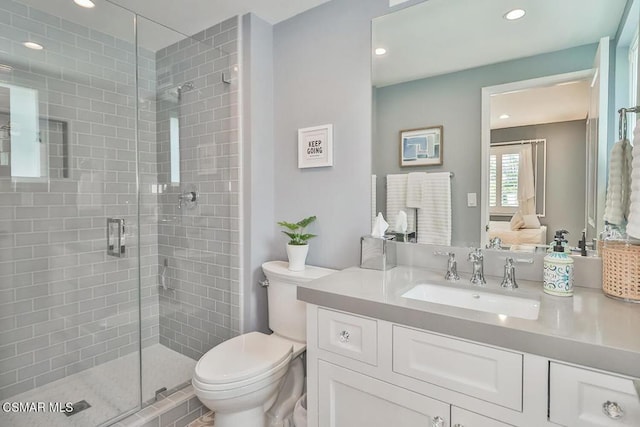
119	218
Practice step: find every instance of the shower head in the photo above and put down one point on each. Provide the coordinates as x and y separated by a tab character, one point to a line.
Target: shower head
185	87
173	93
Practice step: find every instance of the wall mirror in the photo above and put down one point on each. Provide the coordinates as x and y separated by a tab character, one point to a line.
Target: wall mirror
556	83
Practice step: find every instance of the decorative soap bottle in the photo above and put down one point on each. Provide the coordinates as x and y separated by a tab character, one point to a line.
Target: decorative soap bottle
558	268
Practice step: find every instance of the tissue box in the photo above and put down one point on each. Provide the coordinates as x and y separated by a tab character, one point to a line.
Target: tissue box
377	253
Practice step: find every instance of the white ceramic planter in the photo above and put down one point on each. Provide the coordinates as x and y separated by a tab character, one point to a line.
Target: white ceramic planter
297	256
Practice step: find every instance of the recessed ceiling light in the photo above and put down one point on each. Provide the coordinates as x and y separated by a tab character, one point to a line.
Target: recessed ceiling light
85	3
504	116
514	14
6	68
32	45
380	51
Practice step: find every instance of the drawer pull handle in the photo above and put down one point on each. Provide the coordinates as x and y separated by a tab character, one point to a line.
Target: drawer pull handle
437	422
612	410
344	336
458	425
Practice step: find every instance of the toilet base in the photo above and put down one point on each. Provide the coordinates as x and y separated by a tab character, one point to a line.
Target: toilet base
281	413
250	418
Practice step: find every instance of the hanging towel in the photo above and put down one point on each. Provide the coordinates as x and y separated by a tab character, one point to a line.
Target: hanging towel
633	227
434	215
414	189
397	200
526	183
618	199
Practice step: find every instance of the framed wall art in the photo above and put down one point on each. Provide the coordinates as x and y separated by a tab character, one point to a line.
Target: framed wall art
421	147
315	147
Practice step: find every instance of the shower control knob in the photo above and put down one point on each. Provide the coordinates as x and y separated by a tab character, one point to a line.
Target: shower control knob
344	336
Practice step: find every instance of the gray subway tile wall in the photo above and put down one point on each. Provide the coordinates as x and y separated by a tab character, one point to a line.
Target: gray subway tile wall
64	305
201	308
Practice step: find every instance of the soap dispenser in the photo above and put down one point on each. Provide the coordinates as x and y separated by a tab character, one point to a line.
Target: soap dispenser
558	268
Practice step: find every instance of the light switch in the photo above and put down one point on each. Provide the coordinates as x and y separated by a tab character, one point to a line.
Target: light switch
472	200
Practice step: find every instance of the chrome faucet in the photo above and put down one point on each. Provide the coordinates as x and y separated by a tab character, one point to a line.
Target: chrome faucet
476	257
452	266
509	279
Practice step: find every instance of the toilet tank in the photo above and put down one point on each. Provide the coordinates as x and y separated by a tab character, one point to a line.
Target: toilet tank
287	315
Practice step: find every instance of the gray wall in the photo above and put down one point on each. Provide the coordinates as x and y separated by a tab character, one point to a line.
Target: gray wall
322	69
566	172
201	308
66	306
454	101
258	171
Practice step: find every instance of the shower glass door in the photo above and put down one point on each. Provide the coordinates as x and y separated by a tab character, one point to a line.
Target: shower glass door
189	212
70	298
119	207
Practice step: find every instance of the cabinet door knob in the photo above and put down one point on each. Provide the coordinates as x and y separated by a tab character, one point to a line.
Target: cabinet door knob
437	422
344	336
612	410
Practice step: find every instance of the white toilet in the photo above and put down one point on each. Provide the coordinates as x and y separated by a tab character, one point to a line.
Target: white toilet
254	380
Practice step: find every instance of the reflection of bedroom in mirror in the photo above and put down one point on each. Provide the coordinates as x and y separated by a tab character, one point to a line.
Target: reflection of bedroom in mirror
537	154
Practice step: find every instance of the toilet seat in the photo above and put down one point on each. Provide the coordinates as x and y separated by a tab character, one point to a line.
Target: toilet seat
243	360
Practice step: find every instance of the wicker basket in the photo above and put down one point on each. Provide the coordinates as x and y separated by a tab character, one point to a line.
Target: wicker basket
621	270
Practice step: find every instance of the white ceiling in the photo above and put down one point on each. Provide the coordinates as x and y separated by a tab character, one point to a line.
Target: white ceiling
187	17
442	36
192	16
551	104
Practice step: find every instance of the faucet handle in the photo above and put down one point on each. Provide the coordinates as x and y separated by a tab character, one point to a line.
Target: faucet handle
519	260
447	254
509	279
452	266
475	254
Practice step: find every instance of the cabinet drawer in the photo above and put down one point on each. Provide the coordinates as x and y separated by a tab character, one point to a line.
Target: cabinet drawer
348	335
577	397
479	371
463	418
350	399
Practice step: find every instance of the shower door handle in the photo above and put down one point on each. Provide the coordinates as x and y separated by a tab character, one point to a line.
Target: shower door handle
115	237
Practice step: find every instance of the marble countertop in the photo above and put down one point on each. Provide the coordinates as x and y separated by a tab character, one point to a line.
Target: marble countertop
587	329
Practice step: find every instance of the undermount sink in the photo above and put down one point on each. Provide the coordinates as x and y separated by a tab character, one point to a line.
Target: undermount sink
474	299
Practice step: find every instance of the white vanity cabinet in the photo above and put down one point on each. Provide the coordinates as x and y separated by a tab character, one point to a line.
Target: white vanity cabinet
463	418
585	398
348	398
369	372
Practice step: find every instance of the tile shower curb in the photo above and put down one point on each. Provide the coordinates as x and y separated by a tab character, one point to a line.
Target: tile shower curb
177	410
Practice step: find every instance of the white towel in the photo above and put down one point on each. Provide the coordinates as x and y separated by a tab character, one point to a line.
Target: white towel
618	199
633	227
397	200
434	216
414	189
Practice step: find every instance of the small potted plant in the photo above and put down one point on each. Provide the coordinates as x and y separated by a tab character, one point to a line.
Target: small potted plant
298	246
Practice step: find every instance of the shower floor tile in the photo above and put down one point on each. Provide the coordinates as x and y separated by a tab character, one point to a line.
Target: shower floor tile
111	389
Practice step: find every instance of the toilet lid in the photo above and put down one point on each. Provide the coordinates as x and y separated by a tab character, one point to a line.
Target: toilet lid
241	357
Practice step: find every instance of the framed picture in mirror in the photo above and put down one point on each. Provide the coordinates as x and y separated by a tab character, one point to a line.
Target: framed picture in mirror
421	147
